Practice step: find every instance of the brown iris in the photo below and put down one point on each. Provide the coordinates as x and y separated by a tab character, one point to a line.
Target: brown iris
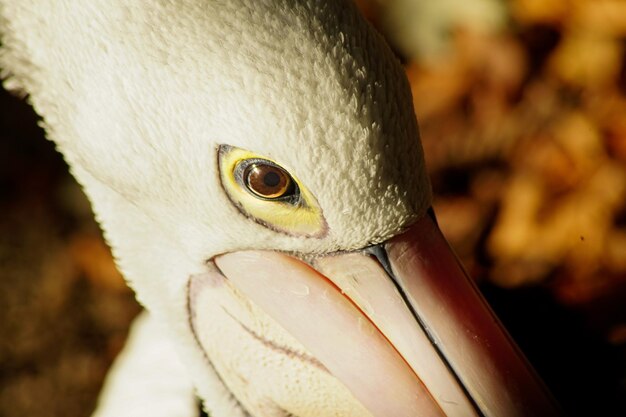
268	181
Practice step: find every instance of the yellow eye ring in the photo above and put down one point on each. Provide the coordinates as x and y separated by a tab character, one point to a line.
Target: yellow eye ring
267	193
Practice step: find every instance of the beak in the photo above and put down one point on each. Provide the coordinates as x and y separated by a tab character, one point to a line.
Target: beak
400	324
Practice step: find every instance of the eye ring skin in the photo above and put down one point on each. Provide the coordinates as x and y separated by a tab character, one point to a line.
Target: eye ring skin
297	214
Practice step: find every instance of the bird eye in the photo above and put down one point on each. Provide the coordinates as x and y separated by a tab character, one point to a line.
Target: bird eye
268	194
268	181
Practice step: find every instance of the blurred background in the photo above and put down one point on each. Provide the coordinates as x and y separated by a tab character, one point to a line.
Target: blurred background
522	107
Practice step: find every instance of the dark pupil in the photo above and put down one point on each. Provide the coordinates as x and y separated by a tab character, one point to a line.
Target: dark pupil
271	179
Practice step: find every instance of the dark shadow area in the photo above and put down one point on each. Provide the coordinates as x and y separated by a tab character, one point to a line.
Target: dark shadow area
583	372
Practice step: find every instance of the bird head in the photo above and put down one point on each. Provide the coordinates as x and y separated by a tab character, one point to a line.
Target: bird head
257	170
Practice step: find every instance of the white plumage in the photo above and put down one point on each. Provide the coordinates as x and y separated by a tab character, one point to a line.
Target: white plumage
138	96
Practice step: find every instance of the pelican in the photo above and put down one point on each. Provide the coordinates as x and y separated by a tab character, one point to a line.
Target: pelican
257	171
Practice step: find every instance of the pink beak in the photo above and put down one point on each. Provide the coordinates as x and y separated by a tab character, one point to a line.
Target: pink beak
400	324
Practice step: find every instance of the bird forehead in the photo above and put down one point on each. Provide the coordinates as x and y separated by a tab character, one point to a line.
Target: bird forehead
308	92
